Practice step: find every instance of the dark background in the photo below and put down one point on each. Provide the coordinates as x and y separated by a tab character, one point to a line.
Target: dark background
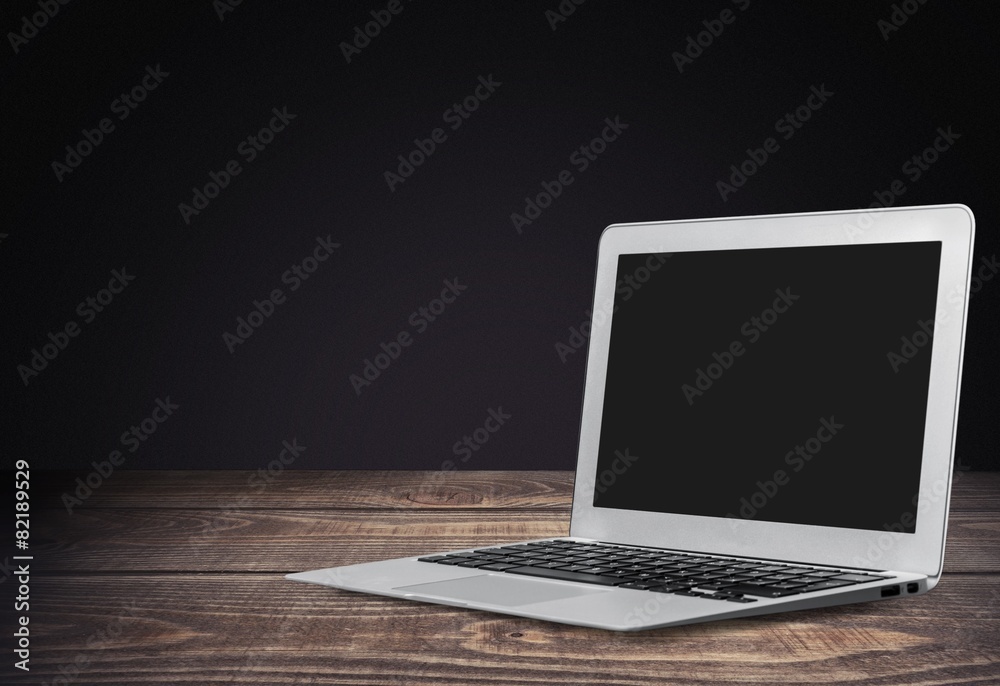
495	347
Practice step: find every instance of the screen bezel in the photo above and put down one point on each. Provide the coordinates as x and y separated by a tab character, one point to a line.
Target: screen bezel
920	552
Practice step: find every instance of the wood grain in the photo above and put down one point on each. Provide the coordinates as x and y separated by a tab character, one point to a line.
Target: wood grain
364	490
204	625
312	490
293	540
175	578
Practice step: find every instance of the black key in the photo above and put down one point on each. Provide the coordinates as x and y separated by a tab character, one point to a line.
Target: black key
498	567
453	560
639	576
566	576
765	592
705	578
716	586
573	568
432	558
856	578
684	583
741	599
473	563
633	568
666	588
619	565
820	574
641	585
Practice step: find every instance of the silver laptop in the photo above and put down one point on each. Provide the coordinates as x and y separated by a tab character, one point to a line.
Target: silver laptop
768	425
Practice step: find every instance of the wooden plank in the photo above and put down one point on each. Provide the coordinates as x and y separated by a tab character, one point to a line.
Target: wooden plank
294	540
260	629
975	491
320	489
972	491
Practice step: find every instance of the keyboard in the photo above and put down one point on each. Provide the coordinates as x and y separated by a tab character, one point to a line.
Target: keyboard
661	571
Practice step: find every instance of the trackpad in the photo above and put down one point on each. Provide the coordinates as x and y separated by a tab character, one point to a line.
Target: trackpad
499	589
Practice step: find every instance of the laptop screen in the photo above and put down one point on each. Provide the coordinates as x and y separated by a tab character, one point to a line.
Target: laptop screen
778	384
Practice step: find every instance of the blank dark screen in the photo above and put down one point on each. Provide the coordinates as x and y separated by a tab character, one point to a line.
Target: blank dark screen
780	384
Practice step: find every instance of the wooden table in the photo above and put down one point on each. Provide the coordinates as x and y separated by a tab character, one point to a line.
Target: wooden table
176	578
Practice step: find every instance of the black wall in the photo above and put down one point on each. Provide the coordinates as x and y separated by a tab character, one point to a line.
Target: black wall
218	78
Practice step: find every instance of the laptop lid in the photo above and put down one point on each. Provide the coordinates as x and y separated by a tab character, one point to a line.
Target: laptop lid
781	386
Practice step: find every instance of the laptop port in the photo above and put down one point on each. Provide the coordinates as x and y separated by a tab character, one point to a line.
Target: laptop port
912	587
890	591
